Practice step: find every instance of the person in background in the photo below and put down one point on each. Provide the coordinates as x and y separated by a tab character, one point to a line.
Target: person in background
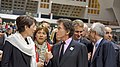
78	35
68	52
47	25
19	50
2	39
103	54
42	46
85	31
53	36
9	31
1	28
13	27
108	34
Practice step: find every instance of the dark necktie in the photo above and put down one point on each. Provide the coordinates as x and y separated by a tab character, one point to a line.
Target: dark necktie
62	50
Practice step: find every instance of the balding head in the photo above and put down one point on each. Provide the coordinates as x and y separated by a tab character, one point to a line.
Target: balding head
108	29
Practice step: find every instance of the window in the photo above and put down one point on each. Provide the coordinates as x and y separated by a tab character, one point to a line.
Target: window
93	7
44	5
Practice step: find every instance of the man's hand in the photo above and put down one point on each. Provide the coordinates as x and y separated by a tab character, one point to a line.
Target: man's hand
48	56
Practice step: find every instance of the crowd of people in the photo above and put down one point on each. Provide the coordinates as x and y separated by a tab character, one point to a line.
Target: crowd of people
71	44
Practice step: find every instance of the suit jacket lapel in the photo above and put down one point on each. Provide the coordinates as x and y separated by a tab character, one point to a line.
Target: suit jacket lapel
67	52
97	50
55	52
58	49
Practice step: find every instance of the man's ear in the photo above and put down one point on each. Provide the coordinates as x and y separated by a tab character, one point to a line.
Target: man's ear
68	32
26	27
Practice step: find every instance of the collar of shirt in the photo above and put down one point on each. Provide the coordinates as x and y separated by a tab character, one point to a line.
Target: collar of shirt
67	42
98	42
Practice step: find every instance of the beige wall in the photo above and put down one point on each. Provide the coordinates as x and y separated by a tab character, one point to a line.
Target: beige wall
70	2
116	8
106	14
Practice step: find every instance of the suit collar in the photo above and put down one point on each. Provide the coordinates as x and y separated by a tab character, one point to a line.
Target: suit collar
98	42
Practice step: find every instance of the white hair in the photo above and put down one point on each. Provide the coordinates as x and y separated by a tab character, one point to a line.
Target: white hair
85	27
99	28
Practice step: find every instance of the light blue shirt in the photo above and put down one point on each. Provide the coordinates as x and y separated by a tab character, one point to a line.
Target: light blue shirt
98	42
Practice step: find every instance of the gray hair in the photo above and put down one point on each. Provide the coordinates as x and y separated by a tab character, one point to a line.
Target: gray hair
85	27
99	28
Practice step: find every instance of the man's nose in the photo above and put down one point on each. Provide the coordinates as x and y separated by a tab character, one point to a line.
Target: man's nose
80	34
110	35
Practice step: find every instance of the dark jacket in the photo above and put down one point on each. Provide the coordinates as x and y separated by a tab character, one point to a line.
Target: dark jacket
13	57
76	57
88	43
104	55
2	38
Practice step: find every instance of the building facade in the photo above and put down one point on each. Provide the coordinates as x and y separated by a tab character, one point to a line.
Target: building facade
18	6
106	11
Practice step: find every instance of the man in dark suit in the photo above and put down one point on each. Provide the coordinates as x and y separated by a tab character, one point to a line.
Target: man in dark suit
81	37
103	52
79	31
74	53
108	36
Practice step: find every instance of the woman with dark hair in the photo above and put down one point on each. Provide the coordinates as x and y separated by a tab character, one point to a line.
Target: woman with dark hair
19	50
41	44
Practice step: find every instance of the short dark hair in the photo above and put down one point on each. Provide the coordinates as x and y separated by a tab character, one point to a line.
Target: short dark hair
68	25
23	20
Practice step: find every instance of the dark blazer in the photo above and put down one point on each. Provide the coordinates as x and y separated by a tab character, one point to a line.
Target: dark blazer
104	55
76	57
2	39
13	57
88	44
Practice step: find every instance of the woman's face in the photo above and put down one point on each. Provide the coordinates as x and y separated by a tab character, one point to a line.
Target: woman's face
41	36
31	30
